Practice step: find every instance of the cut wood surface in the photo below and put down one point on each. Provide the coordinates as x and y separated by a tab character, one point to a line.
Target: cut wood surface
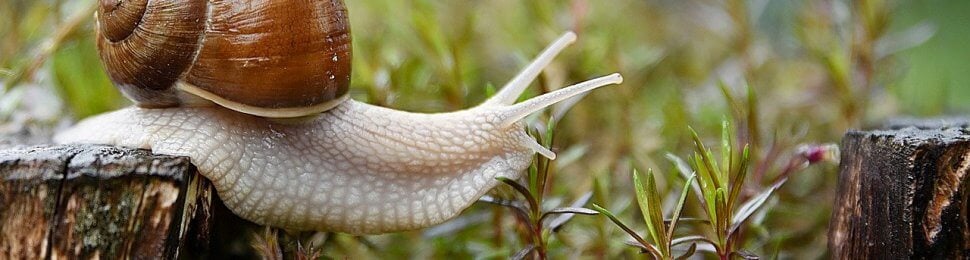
90	201
97	201
903	192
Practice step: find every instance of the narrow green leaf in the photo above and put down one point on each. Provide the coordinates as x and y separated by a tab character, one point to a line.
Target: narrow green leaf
737	182
687	172
501	202
753	121
703	174
706	158
620	224
571	210
523	252
645	249
712	166
744	254
517	207
544	171
550	130
726	153
692	239
679	208
534	173
753	204
564	214
644	200
711	207
558	221
707	186
533	204
535	168
704	177
726	92
657	215
723	217
600	191
699	221
690	251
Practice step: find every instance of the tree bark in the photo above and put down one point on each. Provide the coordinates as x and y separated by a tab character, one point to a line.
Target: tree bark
902	192
97	201
93	201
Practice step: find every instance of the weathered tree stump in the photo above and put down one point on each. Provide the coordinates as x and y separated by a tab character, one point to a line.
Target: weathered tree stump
87	201
903	192
93	201
97	201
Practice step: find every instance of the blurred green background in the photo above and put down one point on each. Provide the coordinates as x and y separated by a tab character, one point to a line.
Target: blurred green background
936	78
793	73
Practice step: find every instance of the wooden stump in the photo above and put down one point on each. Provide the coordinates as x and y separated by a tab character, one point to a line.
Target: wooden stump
89	201
903	192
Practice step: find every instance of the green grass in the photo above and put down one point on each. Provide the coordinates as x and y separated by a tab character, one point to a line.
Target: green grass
786	74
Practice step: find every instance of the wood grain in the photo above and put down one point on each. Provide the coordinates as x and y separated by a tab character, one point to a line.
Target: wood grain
903	192
87	201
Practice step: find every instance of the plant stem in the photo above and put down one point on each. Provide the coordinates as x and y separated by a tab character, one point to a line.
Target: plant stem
540	244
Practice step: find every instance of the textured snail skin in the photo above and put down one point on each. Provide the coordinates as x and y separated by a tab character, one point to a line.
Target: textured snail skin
357	168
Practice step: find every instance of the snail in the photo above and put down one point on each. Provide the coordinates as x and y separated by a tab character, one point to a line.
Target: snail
212	81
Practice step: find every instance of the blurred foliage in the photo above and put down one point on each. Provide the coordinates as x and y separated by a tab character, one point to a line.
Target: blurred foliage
935	77
787	73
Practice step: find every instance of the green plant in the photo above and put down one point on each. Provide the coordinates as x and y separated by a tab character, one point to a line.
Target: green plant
817	68
661	231
720	187
540	223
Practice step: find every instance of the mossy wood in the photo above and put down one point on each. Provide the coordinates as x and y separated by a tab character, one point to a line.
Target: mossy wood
903	192
98	201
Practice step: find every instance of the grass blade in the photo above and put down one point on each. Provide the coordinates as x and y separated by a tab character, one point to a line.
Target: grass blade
679	208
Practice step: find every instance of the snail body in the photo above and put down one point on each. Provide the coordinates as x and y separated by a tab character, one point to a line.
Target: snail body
354	167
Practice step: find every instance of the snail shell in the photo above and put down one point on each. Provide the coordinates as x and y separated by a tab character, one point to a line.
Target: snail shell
278	58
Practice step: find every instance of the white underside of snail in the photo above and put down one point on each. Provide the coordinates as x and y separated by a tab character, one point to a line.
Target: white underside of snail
357	168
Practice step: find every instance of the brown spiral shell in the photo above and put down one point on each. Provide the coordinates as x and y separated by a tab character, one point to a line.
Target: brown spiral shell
256	56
